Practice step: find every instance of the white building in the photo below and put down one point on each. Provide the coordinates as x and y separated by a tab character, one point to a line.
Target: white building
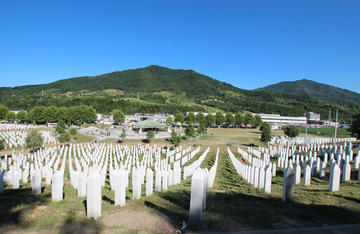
278	119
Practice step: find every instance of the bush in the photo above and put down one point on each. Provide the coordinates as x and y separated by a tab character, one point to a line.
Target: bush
34	140
60	127
291	131
64	137
175	139
73	131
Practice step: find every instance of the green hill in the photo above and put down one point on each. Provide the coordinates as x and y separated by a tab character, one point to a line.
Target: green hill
322	91
169	90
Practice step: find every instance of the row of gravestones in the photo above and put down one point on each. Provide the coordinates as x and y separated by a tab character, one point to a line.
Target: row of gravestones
190	169
14	139
260	178
163	178
90	183
39	164
292	176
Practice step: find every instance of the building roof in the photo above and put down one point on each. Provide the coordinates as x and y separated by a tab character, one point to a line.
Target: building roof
149	124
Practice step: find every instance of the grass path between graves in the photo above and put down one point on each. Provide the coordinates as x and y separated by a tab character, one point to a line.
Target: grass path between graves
232	205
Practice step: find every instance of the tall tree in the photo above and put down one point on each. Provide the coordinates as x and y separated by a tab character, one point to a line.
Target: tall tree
169	121
10	116
21	115
50	114
248	118
239	119
118	116
229	118
179	117
200	118
63	114
257	121
210	119
37	114
190	131
265	132
190	118
219	118
3	111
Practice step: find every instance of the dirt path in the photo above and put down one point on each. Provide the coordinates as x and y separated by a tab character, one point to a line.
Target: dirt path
139	220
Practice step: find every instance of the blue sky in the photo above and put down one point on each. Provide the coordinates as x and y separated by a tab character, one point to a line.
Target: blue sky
249	44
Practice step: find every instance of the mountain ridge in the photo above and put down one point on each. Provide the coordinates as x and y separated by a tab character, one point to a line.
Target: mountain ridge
316	89
165	87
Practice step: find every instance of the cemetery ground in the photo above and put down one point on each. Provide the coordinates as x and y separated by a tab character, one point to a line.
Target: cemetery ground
217	137
232	205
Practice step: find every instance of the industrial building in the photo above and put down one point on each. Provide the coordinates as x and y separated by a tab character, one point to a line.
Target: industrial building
286	120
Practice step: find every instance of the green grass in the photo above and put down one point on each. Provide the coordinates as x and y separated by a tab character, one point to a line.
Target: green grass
80	138
232	205
329	132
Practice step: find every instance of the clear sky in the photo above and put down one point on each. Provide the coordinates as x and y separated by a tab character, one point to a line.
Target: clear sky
249	44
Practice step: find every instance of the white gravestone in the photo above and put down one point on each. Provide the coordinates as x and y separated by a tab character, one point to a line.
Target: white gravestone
323	169
57	186
196	198
120	187
334	183
149	182
307	175
261	178
346	173
297	174
288	186
93	199
268	178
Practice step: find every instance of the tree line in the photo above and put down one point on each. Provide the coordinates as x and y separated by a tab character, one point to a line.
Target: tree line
219	119
40	115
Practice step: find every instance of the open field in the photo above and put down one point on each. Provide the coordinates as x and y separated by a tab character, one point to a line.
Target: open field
233	205
325	132
217	137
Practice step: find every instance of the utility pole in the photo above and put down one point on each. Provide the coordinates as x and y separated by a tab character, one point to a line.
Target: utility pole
138	96
336	121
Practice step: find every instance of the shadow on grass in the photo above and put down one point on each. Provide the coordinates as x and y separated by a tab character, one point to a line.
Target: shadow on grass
73	225
236	211
106	199
14	203
236	206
